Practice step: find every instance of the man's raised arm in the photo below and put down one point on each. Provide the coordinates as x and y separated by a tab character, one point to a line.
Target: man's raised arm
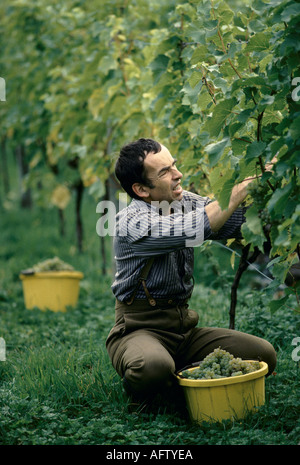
218	217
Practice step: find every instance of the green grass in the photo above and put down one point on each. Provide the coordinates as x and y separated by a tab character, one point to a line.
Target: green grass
57	386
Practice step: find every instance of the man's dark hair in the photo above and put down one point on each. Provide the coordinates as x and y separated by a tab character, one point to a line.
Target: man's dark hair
129	167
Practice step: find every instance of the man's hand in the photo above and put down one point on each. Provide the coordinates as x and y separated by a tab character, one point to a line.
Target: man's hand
218	217
269	166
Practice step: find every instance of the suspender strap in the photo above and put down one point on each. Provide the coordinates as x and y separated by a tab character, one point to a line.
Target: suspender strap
142	279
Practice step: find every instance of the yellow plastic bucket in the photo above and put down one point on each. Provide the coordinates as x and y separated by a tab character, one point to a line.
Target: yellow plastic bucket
214	400
53	290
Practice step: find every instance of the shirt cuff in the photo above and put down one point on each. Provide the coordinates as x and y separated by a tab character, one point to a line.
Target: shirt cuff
207	228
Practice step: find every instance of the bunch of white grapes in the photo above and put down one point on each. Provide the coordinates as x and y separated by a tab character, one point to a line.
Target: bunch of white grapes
52	264
221	364
260	193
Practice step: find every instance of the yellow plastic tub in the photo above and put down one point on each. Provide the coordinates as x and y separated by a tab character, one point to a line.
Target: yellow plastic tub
214	400
53	290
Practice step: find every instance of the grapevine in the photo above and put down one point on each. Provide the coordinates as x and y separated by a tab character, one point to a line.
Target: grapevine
221	364
260	193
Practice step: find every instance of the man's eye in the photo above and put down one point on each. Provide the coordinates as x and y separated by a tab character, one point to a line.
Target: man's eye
167	170
163	173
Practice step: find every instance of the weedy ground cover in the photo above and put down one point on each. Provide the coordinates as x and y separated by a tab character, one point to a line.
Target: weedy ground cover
57	386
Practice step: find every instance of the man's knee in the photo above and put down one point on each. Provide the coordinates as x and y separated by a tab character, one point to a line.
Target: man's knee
269	356
149	375
257	348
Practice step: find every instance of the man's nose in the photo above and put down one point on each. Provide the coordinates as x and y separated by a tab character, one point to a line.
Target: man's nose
176	173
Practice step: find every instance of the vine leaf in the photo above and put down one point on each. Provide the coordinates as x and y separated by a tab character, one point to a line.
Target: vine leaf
255	150
279	199
220	113
259	42
216	149
252	230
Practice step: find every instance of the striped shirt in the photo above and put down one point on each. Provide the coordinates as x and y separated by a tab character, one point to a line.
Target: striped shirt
143	230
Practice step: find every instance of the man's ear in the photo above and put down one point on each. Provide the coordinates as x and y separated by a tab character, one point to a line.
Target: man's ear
140	190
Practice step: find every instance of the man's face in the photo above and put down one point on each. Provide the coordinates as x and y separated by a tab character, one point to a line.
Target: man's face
160	169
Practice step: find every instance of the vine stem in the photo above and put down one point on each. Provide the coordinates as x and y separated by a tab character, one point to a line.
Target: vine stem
259	123
246	39
223	45
209	89
243	265
244	140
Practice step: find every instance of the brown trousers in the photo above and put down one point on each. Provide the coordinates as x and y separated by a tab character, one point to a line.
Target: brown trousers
147	345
